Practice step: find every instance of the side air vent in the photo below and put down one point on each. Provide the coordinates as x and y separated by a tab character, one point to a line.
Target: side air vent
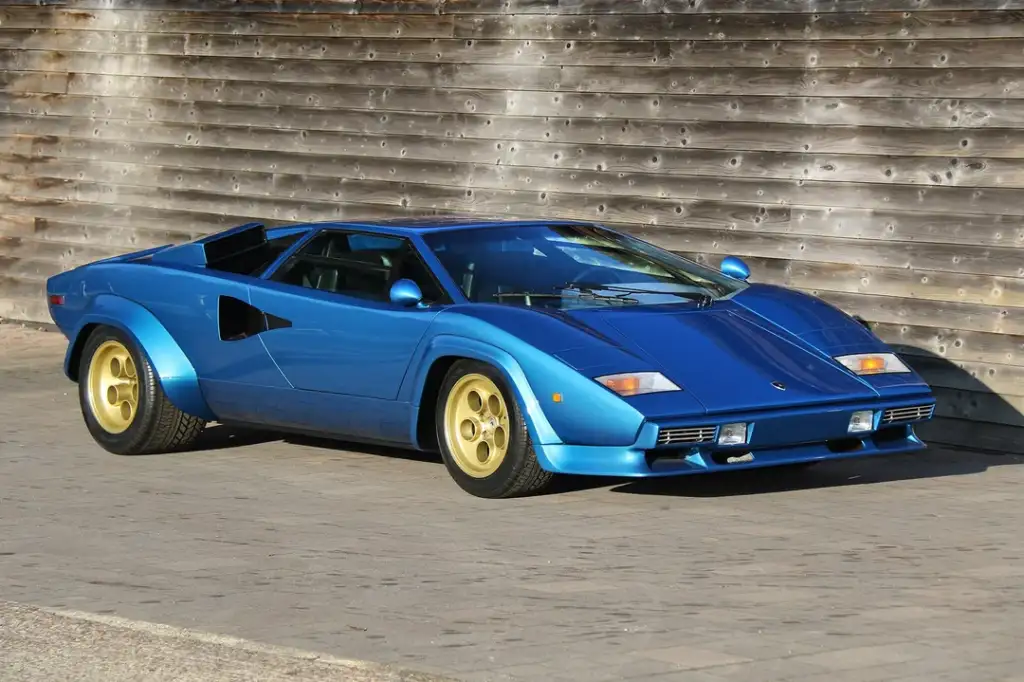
238	320
687	435
895	415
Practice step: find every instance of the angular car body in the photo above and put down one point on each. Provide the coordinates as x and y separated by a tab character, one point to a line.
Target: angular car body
604	354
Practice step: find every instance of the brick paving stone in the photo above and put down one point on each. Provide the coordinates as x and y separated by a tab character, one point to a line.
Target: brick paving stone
890	569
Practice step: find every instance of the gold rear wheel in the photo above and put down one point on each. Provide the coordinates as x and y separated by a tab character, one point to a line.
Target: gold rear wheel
113	387
476	425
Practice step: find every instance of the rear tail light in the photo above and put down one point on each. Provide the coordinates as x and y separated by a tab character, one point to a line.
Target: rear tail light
56	299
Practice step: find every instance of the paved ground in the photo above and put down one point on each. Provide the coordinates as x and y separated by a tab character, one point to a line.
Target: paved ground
38	645
900	569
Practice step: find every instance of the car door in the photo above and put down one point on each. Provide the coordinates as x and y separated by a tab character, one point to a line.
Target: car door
343	335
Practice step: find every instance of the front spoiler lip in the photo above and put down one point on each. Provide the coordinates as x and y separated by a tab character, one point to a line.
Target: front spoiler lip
632	460
627	462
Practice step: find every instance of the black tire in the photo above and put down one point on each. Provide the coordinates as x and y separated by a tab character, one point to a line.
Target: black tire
157	426
519	473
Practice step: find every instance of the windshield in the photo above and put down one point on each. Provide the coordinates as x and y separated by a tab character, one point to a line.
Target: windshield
569	266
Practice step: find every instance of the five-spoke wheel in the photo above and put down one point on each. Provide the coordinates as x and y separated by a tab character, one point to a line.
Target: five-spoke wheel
483	437
476	425
122	399
113	387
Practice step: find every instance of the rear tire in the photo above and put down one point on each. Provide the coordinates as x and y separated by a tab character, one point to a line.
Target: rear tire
483	437
123	404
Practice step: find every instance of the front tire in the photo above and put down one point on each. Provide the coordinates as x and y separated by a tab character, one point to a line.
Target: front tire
483	437
123	404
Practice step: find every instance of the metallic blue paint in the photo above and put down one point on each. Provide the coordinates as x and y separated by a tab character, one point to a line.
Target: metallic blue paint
735	268
405	293
358	369
176	374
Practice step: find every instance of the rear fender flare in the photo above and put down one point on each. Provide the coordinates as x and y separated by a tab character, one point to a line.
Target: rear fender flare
443	346
177	376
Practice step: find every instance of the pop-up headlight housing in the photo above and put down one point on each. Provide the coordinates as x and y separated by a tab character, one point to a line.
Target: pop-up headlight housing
636	383
872	363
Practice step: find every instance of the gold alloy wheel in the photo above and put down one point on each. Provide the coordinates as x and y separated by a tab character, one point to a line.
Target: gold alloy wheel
476	425
113	387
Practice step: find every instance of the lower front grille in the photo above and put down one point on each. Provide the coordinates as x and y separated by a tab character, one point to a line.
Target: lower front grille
687	435
896	415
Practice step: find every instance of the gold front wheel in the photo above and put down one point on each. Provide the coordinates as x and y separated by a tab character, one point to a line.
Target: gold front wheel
113	387
476	425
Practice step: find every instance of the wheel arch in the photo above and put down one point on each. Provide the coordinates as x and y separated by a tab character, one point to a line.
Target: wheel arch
441	354
174	370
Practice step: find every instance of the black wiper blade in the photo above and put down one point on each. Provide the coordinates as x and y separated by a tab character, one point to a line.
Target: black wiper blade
525	294
577	294
703	300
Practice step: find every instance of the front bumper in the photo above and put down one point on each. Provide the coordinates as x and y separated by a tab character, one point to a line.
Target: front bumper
780	437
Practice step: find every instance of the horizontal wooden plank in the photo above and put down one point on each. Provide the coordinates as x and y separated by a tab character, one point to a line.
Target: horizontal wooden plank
116	239
934	285
694	159
953	345
714	6
84	217
35	82
908	311
804	54
92	41
752	26
233	22
281	208
494	191
36	259
272	6
980	407
864	82
532	6
976	436
22	302
706	26
853	252
1006	380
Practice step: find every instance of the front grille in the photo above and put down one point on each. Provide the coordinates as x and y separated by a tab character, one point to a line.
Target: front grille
907	414
687	434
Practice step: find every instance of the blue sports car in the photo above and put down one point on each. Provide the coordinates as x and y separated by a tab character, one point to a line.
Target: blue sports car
519	350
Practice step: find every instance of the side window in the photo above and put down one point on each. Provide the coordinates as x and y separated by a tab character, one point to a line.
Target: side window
254	261
358	265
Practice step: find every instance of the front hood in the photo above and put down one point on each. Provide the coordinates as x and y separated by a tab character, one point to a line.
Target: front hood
728	361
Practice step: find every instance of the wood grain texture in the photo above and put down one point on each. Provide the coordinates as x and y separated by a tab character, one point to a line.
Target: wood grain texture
870	153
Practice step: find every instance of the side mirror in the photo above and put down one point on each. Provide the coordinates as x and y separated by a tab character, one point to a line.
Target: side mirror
735	268
406	293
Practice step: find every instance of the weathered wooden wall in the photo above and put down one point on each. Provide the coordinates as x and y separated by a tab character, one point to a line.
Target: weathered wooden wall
871	152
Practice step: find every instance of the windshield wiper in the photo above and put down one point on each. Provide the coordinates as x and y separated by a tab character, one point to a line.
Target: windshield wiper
704	300
583	293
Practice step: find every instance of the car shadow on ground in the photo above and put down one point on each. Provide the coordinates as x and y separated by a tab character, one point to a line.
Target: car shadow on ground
933	463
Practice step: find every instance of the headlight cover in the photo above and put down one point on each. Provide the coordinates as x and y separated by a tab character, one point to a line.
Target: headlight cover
872	363
636	383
